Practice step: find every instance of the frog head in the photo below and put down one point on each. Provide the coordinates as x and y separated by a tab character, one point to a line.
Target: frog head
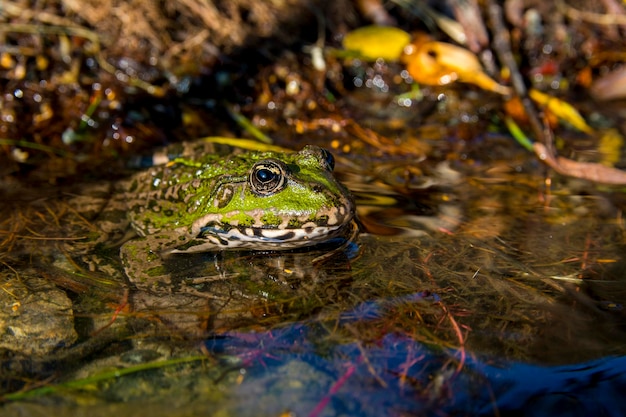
267	201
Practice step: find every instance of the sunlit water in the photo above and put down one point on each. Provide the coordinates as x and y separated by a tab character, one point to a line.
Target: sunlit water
475	287
477	295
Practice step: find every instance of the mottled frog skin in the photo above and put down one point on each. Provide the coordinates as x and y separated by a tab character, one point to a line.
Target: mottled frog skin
249	201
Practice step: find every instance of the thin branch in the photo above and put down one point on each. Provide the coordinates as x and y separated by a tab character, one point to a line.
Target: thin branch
502	46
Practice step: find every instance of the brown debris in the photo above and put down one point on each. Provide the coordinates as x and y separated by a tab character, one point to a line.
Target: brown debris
585	170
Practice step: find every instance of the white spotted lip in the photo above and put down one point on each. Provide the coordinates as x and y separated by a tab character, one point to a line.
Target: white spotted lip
276	239
216	235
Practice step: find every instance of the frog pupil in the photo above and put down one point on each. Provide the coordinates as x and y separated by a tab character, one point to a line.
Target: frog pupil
265	175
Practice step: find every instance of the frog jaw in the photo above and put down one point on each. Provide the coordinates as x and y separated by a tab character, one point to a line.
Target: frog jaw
248	238
256	230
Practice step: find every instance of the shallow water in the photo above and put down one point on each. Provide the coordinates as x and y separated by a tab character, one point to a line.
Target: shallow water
479	294
480	284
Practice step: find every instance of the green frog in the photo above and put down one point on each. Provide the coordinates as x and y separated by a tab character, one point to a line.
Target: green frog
201	202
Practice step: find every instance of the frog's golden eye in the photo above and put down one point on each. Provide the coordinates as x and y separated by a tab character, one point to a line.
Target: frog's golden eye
268	177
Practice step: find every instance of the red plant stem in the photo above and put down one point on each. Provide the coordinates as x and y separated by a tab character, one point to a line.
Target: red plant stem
459	334
333	390
116	313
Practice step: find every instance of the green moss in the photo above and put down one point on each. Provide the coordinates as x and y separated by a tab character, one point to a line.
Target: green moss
156	271
294	224
271	219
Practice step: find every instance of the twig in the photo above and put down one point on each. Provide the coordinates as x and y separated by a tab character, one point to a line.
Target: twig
502	46
468	15
608	19
585	170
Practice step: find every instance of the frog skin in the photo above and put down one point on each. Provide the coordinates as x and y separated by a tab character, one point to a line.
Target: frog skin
250	201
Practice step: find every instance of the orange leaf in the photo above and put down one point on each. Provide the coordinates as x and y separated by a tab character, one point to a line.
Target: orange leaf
439	63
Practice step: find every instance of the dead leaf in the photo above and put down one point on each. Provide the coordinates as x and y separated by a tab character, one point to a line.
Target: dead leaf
439	63
610	86
584	170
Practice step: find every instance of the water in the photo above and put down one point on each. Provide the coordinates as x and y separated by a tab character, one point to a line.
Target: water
480	284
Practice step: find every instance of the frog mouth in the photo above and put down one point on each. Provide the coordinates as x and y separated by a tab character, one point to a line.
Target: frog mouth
254	238
215	238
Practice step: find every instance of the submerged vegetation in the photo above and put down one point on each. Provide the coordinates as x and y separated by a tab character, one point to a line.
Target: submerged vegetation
482	142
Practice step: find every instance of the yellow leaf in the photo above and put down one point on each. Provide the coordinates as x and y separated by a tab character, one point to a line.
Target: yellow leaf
564	111
373	42
610	145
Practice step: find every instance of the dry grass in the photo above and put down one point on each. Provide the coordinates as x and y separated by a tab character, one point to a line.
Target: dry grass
166	34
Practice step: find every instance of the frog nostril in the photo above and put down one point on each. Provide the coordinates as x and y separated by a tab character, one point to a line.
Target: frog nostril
328	159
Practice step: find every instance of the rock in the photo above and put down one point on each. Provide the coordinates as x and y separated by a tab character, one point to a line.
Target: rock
35	317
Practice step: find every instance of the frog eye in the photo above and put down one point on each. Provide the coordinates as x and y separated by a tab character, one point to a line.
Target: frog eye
268	177
329	159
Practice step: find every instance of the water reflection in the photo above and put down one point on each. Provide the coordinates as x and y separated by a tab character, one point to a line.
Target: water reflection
287	371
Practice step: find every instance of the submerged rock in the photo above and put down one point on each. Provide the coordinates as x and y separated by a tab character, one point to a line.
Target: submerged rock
36	317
